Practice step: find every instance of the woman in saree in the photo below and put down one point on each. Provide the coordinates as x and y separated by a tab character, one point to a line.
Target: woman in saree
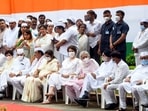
69	70
33	85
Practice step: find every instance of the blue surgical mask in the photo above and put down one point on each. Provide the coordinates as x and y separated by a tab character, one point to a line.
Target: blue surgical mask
144	62
142	27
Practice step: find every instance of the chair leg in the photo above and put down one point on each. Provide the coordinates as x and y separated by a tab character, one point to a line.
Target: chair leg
102	100
97	97
14	93
56	96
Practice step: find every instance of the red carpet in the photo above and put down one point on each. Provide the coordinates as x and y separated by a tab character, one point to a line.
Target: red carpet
19	107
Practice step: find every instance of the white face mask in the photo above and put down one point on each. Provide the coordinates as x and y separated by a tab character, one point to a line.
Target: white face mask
117	18
20	58
8	58
106	19
71	54
48	58
85	60
104	59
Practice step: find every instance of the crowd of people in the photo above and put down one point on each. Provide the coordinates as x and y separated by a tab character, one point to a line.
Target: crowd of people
79	55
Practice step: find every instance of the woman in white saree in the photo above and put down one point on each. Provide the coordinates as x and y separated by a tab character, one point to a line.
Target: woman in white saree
70	69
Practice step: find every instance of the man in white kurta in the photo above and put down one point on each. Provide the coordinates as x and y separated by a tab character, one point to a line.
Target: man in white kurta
119	73
93	32
10	37
19	83
131	82
141	93
3	30
140	44
94	80
68	38
20	66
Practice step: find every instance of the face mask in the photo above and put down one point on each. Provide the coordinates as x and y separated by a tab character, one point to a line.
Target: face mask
8	58
104	59
144	62
85	60
117	18
71	54
20	58
106	19
48	58
142	27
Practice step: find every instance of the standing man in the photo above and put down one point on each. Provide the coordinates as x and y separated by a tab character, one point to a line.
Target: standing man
105	32
118	36
69	37
140	43
10	37
93	32
3	30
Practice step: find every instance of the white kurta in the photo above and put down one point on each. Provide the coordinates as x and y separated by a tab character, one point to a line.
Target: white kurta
102	72
68	67
120	72
10	37
19	66
95	28
4	71
71	37
2	59
141	43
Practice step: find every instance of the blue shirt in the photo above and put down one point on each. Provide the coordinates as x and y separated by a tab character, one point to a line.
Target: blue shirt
105	34
118	30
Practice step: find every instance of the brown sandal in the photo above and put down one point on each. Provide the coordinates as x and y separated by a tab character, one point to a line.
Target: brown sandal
48	101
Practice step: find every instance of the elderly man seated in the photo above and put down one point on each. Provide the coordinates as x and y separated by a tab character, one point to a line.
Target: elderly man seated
134	81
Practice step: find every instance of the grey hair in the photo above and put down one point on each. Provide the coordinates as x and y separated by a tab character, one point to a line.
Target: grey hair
84	52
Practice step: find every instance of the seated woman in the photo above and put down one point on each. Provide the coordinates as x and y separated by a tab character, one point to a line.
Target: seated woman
33	85
73	88
70	69
5	69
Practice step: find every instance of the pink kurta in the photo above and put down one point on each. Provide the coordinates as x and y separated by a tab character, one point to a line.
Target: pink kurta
73	87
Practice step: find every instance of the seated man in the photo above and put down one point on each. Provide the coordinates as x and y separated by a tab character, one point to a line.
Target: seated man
120	72
39	58
141	91
132	81
94	80
20	66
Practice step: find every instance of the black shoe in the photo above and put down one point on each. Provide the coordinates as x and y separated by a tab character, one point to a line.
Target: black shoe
85	96
81	102
1	96
111	106
144	105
